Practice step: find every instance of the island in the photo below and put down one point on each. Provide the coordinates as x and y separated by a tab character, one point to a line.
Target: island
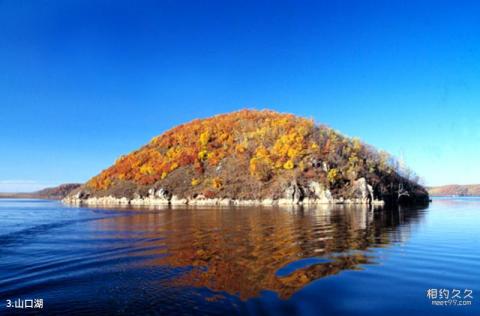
252	157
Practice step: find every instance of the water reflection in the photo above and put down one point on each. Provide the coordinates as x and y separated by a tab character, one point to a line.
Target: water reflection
244	251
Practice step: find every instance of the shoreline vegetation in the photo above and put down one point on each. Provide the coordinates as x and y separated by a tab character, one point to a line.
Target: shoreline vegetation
252	157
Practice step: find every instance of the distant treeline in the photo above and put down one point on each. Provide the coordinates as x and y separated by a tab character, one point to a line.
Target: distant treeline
454	189
55	193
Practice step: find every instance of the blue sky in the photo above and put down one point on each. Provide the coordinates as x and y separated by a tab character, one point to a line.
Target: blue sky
82	82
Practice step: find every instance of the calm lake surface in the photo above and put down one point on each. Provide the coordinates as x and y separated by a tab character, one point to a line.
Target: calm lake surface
227	261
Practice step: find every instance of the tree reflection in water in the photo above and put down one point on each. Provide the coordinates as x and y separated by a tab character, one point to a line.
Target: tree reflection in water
241	250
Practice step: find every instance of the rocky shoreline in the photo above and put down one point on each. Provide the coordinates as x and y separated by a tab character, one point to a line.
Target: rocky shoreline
147	201
312	194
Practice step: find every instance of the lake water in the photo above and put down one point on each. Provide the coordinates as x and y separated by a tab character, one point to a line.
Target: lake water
254	261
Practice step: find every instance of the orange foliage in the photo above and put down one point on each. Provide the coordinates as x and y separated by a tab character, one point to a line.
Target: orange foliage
268	140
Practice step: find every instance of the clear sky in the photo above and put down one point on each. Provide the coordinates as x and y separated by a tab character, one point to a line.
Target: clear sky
82	82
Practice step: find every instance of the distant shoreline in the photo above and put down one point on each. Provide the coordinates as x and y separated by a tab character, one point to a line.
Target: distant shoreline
25	197
55	193
455	196
455	190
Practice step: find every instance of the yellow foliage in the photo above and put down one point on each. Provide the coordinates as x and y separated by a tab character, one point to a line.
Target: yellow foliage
261	164
204	138
173	153
217	183
261	168
301	165
253	164
290	145
292	152
262	153
357	144
240	148
195	181
353	160
288	165
332	175
173	166
202	155
146	169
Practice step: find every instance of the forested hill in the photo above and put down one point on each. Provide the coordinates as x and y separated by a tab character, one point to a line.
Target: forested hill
253	154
